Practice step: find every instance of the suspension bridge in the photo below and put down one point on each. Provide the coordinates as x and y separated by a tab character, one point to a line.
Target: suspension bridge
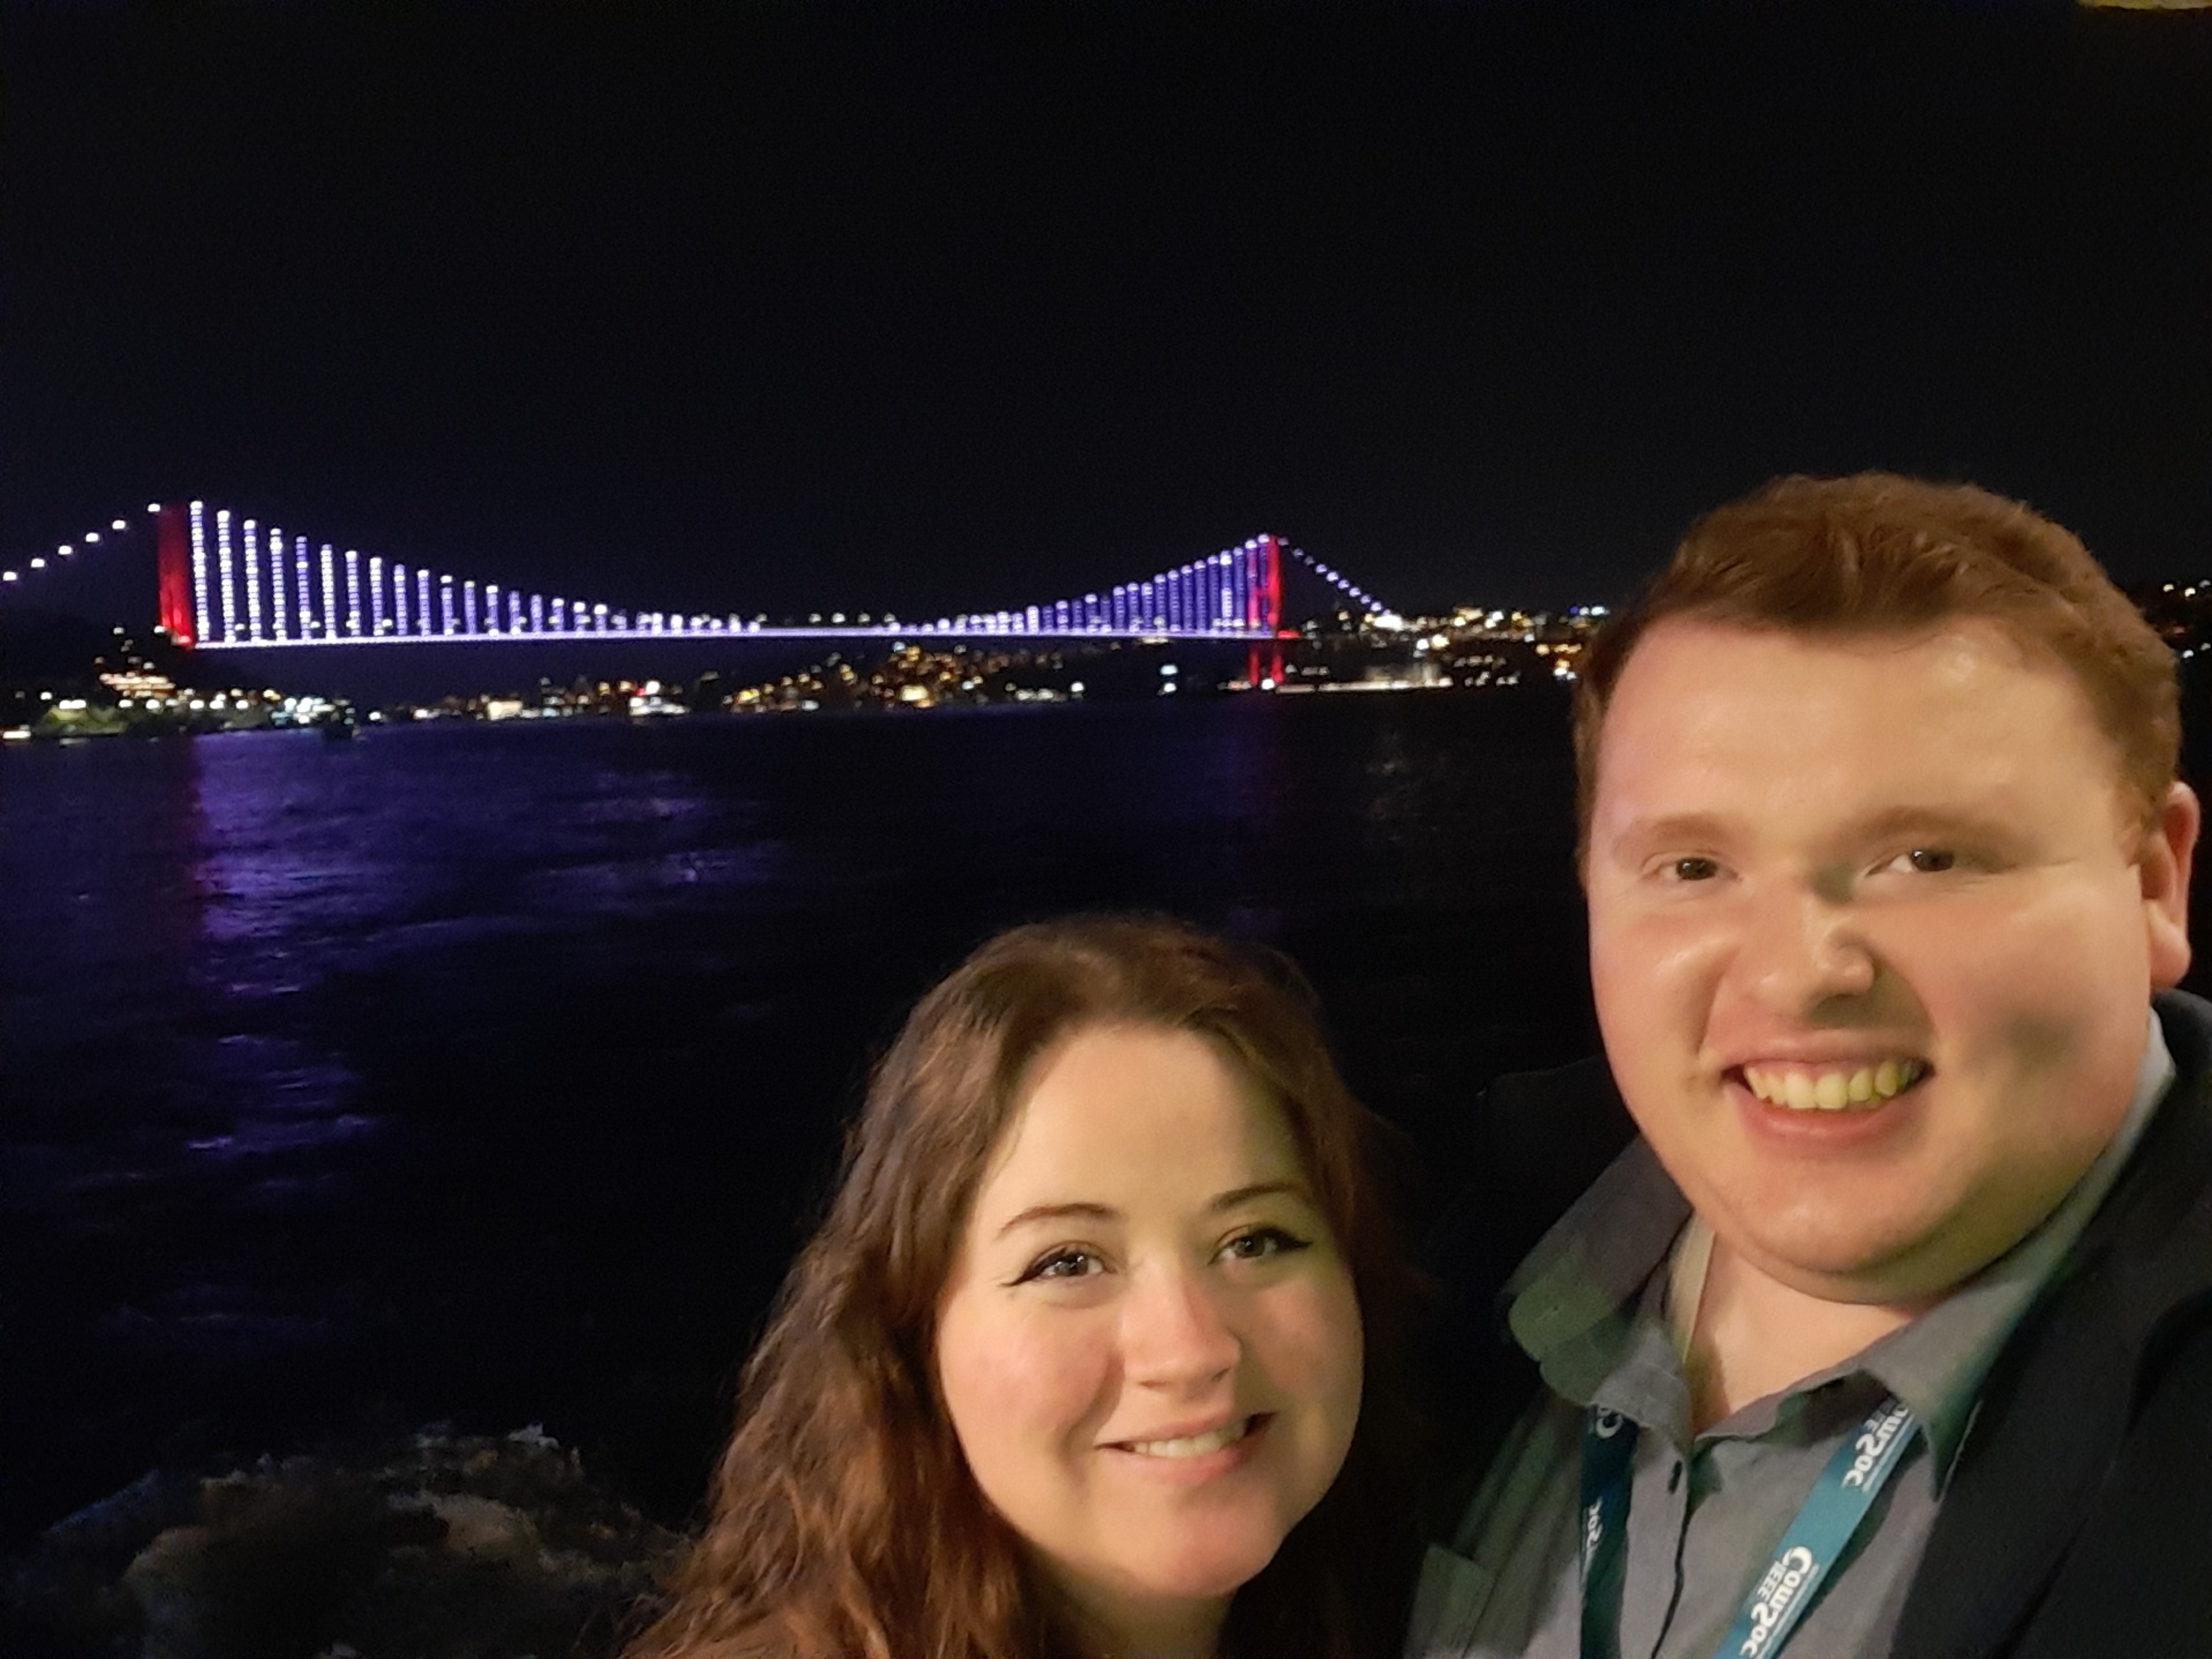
225	581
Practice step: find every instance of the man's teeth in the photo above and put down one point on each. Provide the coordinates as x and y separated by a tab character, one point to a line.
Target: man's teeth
1833	1091
1192	1445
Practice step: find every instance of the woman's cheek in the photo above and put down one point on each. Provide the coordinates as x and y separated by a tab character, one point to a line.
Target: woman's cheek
1317	1346
1031	1374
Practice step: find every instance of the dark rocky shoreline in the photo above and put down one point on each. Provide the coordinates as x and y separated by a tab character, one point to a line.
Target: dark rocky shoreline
448	1547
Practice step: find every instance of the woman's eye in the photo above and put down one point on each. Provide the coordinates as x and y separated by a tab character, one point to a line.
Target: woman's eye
1693	869
1062	1264
1262	1242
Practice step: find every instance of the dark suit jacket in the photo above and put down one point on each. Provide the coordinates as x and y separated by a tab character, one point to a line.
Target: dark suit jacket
2078	1522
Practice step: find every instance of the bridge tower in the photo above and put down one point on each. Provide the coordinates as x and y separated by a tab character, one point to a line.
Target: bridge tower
172	580
1263	602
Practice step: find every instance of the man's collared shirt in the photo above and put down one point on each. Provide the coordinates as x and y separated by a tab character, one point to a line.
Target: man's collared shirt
1706	1511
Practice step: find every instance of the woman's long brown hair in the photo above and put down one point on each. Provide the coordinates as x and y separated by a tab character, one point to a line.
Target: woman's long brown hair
844	1523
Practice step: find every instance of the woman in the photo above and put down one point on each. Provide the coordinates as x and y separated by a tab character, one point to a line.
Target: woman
1078	1350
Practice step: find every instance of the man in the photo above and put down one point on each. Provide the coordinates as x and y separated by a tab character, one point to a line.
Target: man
1892	1334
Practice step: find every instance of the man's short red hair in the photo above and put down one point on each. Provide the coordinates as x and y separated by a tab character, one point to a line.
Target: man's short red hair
1876	553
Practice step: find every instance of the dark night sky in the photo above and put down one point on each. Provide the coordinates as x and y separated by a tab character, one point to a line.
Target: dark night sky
922	307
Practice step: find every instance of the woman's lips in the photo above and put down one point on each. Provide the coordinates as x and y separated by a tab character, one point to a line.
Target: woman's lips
1191	1445
1184	1458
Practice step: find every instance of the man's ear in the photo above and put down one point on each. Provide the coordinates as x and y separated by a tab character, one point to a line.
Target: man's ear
2163	868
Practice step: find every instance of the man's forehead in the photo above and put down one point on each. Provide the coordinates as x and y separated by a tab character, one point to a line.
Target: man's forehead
1961	701
1939	665
1720	633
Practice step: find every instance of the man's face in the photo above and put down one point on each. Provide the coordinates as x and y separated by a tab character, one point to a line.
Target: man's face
1871	935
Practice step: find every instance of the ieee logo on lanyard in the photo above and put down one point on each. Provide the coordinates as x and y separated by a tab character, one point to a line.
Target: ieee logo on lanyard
1815	1539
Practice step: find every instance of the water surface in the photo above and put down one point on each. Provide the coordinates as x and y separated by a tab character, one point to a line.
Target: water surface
488	1073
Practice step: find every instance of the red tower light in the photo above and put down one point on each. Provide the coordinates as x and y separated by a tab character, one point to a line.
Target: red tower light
173	575
1263	665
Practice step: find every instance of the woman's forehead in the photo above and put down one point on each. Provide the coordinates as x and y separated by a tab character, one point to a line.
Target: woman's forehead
1139	1114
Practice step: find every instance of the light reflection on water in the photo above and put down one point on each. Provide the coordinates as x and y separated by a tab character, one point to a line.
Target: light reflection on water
491	1070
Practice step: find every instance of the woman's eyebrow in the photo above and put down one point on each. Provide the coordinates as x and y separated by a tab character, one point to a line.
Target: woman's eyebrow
1236	1195
1036	1213
1091	1211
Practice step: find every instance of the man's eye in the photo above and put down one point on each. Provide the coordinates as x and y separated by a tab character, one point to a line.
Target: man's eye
1929	861
1694	869
1261	1242
1062	1264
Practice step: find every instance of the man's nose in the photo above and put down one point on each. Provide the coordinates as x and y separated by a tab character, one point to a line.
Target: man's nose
1802	946
1173	1331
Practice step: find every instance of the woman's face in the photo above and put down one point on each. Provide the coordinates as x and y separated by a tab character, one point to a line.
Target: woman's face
1149	1344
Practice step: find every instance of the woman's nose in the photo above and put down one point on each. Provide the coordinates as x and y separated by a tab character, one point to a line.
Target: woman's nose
1173	1332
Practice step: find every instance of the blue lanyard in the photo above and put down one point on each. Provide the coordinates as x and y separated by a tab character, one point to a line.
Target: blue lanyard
1608	1468
1815	1539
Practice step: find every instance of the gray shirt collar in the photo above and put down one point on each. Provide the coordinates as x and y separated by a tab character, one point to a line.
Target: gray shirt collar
1578	1306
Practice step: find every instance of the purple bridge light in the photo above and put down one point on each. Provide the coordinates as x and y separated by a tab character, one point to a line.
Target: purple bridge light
226	582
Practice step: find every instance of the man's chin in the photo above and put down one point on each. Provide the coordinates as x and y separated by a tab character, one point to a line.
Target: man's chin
1846	1261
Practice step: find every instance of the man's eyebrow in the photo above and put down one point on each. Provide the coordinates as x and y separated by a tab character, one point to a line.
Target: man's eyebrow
1707	829
1672	828
1931	820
